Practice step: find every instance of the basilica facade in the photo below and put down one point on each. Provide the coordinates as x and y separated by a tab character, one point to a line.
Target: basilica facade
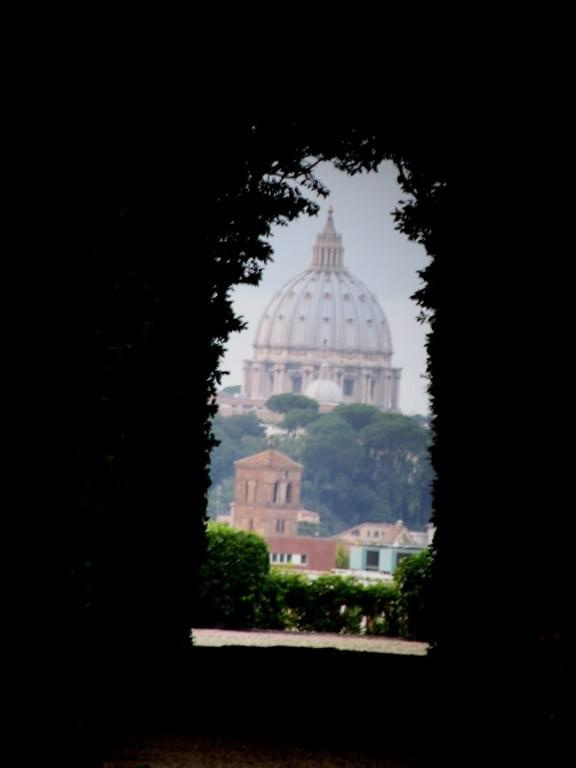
324	335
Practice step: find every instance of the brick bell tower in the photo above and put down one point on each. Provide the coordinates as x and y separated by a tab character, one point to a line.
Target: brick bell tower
267	494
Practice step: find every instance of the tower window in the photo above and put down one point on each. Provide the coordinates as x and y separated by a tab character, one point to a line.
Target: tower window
279	494
250	490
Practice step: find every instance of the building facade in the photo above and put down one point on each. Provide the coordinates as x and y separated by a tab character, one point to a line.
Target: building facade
324	326
303	553
381	558
386	534
267	495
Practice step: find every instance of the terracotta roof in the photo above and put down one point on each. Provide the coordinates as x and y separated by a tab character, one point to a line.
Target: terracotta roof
389	533
270	457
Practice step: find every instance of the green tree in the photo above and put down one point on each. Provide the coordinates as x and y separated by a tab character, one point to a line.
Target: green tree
397	465
233	578
413	580
342	557
291	402
362	464
236	437
299	417
357	415
332	458
220	496
233	389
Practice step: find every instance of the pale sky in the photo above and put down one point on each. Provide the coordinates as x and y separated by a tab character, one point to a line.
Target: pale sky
374	252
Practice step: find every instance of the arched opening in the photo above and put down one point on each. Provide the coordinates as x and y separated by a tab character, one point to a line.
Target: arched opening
144	582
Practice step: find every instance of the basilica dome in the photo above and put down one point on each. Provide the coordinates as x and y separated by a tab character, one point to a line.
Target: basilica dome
325	309
324	315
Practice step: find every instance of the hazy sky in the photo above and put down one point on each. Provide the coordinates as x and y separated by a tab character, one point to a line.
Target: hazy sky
374	252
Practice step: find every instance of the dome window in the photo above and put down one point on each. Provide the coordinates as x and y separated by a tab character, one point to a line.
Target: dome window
326	295
326	319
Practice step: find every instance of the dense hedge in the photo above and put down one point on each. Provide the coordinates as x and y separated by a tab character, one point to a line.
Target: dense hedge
233	579
330	603
239	590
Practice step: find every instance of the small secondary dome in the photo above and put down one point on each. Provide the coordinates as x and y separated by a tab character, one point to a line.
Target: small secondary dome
324	389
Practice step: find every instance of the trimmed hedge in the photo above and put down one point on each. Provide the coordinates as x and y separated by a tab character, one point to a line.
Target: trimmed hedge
239	590
330	603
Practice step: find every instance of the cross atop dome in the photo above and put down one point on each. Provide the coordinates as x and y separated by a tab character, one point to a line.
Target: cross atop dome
328	252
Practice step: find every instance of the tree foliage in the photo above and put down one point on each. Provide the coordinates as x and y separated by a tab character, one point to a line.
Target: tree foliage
235	437
233	389
413	579
359	464
291	402
298	418
357	415
232	579
330	603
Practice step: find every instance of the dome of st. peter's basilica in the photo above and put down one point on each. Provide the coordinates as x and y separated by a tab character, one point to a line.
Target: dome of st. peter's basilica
323	326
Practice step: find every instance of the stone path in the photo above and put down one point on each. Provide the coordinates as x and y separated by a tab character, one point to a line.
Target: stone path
373	644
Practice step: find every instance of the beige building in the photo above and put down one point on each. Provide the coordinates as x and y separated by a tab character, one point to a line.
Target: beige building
324	335
386	534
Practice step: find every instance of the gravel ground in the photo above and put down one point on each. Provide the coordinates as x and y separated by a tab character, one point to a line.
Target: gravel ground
222	753
228	752
373	644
